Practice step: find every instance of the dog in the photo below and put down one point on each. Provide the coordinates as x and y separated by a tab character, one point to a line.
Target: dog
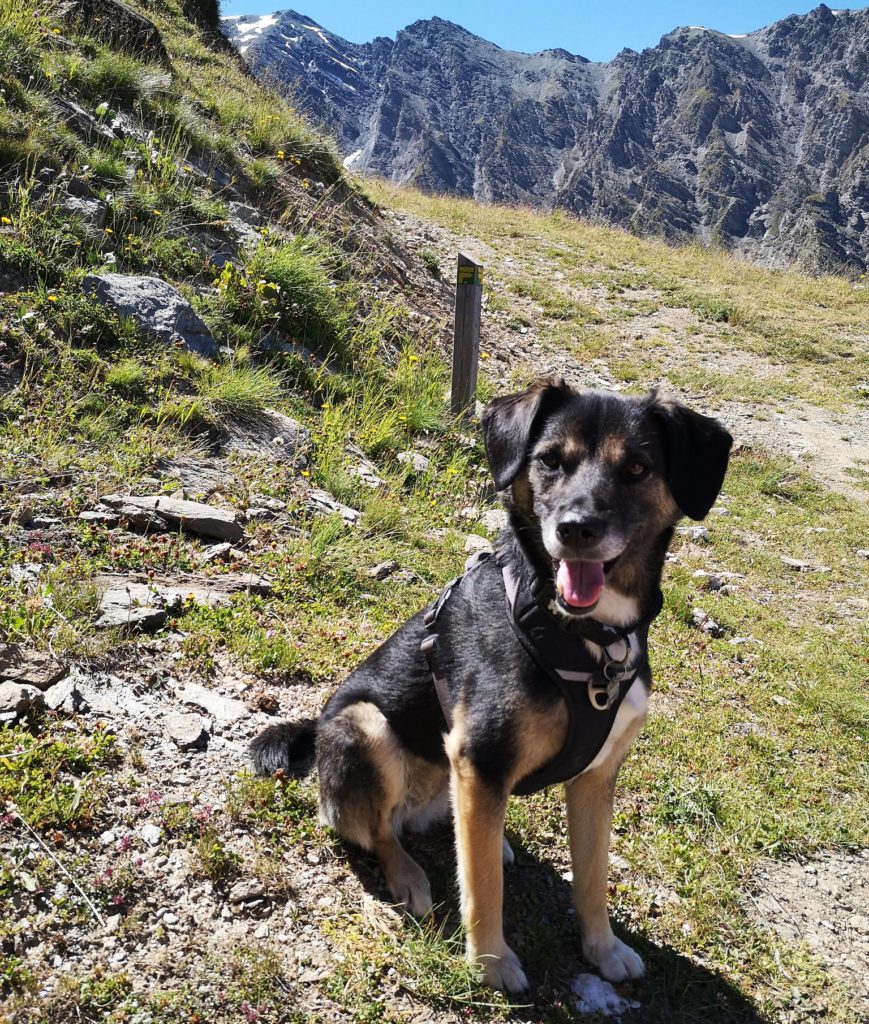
529	670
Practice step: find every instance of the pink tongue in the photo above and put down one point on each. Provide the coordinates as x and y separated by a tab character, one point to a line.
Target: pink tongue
579	583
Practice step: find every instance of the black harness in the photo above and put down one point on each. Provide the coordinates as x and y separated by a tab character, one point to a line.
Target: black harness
592	683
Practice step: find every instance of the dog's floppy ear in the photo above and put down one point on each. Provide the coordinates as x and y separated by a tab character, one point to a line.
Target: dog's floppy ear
696	450
510	425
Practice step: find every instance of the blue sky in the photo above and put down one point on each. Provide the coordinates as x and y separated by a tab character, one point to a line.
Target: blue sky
595	29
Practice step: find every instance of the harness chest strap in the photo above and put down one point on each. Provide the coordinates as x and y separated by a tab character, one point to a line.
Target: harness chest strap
565	660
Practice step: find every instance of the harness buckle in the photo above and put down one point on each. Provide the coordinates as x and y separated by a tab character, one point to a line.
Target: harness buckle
428	644
600	697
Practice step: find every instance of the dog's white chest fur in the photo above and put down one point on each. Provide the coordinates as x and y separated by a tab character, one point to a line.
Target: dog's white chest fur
629	717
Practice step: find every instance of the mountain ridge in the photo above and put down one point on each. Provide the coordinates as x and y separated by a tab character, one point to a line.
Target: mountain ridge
757	141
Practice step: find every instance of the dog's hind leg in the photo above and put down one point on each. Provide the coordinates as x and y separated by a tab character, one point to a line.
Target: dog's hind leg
363	790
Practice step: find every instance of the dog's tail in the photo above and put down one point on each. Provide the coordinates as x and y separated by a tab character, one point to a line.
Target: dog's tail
288	746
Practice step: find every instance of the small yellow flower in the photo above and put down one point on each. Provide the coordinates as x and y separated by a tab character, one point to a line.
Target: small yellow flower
280	154
414	359
157	213
109	231
51	298
5	220
56	31
306	183
305	473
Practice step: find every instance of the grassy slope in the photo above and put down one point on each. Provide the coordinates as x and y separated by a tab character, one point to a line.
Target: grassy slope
795	336
701	801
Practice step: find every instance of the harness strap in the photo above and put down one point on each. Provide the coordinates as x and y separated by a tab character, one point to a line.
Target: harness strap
429	644
622	651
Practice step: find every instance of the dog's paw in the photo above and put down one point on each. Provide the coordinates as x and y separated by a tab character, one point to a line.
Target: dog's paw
615	960
410	890
507	855
503	970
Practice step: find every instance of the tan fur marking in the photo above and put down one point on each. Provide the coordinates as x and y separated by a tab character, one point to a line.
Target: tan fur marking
572	449
405	788
479	825
589	819
539	737
612	450
522	495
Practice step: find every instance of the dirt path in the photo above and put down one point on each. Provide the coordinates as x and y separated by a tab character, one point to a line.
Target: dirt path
832	447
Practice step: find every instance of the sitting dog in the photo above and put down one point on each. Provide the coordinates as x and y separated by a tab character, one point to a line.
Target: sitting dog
529	670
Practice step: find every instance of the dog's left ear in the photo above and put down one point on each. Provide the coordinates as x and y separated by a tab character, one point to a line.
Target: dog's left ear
511	423
696	450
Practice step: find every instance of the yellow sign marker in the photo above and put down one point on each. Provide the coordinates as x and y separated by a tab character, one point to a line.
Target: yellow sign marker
470	275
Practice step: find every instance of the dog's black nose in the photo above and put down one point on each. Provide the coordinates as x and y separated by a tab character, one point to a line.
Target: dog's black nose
577	532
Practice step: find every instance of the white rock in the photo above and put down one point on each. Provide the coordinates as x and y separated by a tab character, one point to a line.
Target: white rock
150	834
474	543
494	519
186	731
416	460
189	515
225	710
594	995
699	534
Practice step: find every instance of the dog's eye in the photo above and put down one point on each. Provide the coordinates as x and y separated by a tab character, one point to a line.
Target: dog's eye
551	460
636	470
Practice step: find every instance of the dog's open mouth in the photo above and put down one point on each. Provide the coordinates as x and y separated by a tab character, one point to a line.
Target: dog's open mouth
578	584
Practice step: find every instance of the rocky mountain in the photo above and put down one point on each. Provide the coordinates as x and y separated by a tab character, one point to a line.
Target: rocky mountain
759	142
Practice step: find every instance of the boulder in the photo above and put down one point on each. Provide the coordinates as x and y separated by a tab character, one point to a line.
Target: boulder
156	306
224	710
323	502
81	122
121	26
273	435
16	699
92	211
65	696
474	543
416	461
34	668
143	603
189	515
145	618
187	732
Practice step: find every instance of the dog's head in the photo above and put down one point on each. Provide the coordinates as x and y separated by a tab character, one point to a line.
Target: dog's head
599	477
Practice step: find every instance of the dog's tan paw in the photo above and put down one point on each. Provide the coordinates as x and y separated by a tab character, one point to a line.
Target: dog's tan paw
410	889
615	960
503	971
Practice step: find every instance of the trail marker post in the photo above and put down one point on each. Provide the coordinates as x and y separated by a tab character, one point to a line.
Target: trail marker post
466	335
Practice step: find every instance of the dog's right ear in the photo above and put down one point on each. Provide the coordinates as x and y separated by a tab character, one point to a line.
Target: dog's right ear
511	424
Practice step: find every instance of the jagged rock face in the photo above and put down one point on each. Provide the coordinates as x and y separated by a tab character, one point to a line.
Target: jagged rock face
759	142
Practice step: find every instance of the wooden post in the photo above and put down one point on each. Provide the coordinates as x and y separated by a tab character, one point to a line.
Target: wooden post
466	336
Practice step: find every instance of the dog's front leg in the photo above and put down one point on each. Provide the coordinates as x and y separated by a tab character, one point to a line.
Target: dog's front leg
589	821
479	822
